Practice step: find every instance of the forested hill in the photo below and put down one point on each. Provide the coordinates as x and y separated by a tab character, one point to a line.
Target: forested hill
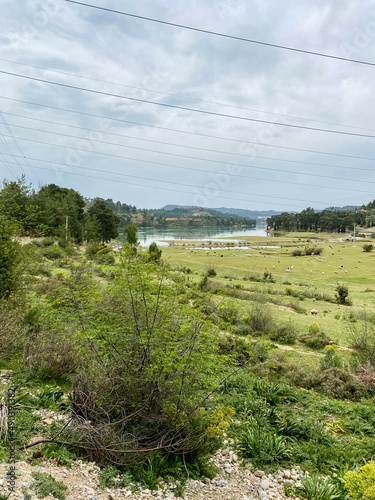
329	220
177	217
259	215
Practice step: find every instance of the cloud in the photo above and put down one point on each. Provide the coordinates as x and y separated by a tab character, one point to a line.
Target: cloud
105	52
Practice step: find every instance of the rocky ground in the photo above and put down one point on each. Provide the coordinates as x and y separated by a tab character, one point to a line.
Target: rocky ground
234	482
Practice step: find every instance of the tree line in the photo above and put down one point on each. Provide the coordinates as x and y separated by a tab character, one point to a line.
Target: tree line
55	211
328	220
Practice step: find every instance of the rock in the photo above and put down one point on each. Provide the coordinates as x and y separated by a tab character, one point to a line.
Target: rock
234	458
265	484
289	483
287	474
258	473
225	452
228	470
222	483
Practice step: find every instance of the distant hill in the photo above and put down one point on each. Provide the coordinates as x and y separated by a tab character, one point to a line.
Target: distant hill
252	214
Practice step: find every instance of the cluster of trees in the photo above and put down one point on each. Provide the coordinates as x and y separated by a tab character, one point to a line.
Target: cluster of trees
328	220
56	211
176	217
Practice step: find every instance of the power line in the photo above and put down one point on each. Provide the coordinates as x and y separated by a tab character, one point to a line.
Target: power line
221	138
302	162
201	159
224	35
18	148
179	183
185	97
200	170
184	108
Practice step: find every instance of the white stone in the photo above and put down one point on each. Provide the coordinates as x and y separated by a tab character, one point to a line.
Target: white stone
265	484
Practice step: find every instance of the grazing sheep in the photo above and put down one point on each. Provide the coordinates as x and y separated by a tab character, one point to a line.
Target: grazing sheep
335	272
314	312
322	272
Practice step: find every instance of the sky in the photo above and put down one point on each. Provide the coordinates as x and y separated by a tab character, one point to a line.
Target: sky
246	139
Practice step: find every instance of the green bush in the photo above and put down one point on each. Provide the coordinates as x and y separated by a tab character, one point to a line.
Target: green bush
53	252
342	293
331	359
229	313
340	384
239	350
315	340
260	318
313	251
297	253
361	483
92	249
211	272
368	247
285	334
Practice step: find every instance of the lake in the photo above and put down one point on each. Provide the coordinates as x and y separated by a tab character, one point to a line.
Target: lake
160	236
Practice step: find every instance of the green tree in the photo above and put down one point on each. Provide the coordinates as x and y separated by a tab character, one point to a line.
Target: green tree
102	222
131	234
56	204
154	252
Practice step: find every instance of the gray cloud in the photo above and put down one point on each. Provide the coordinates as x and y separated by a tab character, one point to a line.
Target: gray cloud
148	61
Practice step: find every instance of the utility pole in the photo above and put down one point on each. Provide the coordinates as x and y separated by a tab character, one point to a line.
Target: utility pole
354	236
66	228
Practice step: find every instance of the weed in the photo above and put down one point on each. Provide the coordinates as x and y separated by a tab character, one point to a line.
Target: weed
45	485
315	488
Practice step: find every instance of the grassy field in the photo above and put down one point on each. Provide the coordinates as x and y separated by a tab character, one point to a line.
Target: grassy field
297	284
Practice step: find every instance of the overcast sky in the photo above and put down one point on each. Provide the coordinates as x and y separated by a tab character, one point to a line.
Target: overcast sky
161	155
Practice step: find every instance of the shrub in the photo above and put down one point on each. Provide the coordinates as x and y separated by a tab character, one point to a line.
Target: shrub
229	314
363	341
285	334
313	251
342	294
239	350
51	353
105	257
260	319
315	340
147	369
45	485
331	358
361	484
154	252
314	327
91	249
53	252
12	329
297	253
46	242
340	384
368	247
211	272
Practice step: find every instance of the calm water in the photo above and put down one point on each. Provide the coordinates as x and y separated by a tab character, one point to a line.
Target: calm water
147	236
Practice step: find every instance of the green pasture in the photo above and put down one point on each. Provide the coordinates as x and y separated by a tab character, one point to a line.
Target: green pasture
340	262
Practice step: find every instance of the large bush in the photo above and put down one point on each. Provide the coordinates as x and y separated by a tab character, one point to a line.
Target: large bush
146	370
